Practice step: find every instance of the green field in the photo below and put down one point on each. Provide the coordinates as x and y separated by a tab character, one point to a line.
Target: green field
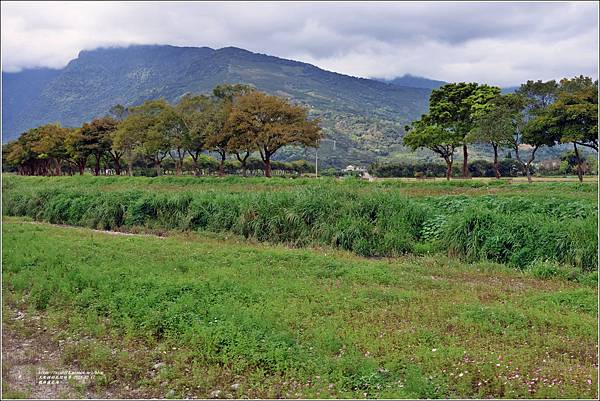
297	288
518	224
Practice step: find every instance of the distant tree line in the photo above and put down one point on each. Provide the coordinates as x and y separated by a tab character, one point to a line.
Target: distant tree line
537	114
507	167
477	168
236	120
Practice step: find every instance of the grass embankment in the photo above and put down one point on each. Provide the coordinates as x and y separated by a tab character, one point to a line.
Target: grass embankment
188	316
540	226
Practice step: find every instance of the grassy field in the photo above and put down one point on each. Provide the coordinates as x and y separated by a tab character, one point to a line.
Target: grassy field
517	224
211	315
303	288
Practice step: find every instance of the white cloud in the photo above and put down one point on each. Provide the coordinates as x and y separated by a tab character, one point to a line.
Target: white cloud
499	43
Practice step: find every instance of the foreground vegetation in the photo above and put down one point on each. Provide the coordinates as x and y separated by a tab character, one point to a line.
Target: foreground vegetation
503	224
191	316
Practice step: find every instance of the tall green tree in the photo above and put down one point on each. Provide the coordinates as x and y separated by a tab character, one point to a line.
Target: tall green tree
77	149
172	124
535	127
39	151
538	96
96	138
498	124
50	146
216	130
575	114
271	122
424	133
218	134
145	132
455	106
194	113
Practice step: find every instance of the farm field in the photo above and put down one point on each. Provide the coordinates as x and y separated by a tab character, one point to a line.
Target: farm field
287	288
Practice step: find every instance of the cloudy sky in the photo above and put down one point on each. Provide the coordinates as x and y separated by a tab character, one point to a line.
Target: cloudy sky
498	43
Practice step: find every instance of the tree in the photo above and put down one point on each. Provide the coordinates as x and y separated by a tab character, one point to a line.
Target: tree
50	146
455	106
271	122
126	139
119	112
77	149
20	154
537	132
497	124
240	144
424	133
171	123
575	114
193	112
534	126
39	151
95	137
216	131
220	136
228	92
538	94
146	131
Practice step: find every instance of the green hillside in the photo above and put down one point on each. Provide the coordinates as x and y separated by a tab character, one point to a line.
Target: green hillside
365	117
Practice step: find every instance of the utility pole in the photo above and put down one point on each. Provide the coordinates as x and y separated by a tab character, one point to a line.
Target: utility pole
317	155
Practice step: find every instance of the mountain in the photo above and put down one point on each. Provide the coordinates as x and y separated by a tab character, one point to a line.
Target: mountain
510	89
365	117
413	81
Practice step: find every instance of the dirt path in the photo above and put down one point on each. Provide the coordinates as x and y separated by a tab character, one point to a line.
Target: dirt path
157	234
27	353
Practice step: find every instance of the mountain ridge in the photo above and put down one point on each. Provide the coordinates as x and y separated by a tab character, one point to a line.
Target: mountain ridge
414	81
366	117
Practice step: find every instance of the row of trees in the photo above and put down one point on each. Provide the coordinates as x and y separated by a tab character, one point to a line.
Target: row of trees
477	168
537	114
235	120
567	163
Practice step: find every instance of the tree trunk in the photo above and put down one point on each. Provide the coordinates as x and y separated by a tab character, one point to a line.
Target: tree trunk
222	165
449	169
58	170
267	162
97	165
526	165
465	168
157	164
195	161
81	167
117	161
496	167
242	161
579	169
179	162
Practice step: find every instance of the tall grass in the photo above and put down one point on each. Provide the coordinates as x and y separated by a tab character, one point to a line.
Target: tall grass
516	230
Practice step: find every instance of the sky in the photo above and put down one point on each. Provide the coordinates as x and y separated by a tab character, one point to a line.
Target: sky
497	43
